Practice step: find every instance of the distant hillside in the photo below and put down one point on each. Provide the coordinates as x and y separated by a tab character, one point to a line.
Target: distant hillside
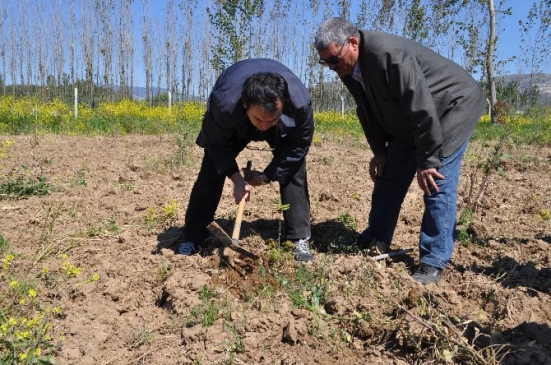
139	91
541	80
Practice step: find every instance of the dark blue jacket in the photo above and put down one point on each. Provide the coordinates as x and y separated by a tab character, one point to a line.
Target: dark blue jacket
226	128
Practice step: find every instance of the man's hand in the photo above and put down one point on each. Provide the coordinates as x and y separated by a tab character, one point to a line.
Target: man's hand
376	166
254	178
426	177
241	190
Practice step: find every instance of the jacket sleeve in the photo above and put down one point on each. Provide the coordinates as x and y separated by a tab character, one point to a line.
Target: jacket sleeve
291	151
374	133
407	82
216	137
376	137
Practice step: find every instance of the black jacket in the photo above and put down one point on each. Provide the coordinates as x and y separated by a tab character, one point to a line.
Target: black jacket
226	129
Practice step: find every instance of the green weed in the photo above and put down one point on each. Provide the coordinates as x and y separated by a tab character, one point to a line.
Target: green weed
22	188
25	320
207	312
348	221
162	272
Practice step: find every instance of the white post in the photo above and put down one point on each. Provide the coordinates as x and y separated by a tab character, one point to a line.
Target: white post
76	103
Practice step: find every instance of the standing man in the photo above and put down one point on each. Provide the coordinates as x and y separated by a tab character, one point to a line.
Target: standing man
418	111
254	100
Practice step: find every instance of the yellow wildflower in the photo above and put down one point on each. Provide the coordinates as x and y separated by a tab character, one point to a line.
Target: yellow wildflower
21	335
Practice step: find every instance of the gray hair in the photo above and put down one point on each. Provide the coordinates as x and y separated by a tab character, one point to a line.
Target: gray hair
336	30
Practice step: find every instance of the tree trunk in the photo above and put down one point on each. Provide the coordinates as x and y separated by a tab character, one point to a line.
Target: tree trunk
490	62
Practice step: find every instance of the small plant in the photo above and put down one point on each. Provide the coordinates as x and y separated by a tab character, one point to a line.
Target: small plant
279	252
141	336
112	226
21	188
70	270
3	244
24	321
207	312
465	220
544	215
162	272
348	221
309	289
169	212
486	168
4	147
278	207
150	217
167	216
80	179
93	231
237	345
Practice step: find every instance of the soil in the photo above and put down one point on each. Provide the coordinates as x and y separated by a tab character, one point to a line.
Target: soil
110	212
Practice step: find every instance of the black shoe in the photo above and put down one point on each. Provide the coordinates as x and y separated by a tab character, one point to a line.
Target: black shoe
426	274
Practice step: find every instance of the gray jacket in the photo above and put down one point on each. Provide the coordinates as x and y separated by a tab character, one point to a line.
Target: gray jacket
413	94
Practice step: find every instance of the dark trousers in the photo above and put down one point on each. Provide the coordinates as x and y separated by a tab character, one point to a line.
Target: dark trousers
207	191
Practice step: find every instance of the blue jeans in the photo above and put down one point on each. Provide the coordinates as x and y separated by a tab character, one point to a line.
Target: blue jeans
437	238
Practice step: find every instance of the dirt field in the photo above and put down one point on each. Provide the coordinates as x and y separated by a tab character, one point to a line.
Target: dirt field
110	213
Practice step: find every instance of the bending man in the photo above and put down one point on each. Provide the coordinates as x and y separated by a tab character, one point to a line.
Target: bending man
418	111
254	100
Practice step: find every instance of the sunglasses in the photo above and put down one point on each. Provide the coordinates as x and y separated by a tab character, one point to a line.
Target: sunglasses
333	60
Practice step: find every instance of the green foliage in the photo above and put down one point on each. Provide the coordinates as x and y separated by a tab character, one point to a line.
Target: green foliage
167	215
25	317
237	345
30	115
310	288
336	124
417	22
21	188
162	272
3	245
279	253
466	218
207	312
348	221
233	20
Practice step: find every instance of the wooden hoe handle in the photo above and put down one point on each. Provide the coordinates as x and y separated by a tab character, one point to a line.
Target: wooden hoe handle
240	209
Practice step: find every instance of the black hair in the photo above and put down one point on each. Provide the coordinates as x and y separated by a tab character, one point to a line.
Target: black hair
265	89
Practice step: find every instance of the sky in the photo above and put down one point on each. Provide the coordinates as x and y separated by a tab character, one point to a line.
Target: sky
507	47
509	35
